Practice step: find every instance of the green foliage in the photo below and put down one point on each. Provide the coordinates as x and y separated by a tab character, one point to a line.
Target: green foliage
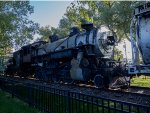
62	31
64	26
45	32
16	29
116	15
118	54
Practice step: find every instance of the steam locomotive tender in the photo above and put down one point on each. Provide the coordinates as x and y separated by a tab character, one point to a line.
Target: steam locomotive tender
82	56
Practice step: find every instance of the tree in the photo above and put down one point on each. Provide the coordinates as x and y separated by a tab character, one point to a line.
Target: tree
64	26
16	29
45	32
61	31
116	15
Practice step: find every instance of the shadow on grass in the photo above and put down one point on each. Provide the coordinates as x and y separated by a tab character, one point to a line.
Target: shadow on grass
13	105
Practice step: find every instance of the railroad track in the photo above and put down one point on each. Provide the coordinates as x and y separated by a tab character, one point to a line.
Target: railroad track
137	95
141	90
121	95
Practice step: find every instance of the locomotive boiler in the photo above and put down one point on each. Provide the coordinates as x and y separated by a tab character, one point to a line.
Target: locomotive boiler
82	56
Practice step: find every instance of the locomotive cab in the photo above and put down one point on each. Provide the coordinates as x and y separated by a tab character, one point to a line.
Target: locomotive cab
17	58
13	64
26	52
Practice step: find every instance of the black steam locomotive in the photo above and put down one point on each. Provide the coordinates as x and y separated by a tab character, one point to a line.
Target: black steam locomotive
82	56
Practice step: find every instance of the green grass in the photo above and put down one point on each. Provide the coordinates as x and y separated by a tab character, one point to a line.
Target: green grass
141	81
13	105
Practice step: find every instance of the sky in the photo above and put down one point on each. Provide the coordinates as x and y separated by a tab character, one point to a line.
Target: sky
50	13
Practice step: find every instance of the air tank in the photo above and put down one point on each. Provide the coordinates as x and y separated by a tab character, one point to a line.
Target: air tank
142	14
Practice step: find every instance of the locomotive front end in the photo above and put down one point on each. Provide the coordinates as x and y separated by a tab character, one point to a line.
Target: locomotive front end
105	42
95	64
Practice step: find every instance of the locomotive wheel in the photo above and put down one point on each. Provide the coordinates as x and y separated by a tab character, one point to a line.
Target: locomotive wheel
98	81
55	79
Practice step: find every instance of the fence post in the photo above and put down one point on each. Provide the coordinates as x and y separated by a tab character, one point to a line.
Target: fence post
68	102
29	95
12	89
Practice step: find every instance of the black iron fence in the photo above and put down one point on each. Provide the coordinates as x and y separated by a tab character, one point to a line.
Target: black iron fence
51	100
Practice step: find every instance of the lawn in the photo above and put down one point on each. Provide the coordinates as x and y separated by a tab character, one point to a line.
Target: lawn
141	81
14	105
